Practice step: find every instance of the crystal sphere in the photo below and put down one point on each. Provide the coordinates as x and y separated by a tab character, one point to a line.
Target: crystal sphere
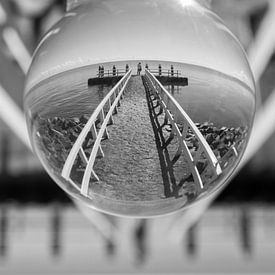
139	108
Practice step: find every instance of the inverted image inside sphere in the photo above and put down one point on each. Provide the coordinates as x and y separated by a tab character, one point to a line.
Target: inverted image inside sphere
140	108
154	156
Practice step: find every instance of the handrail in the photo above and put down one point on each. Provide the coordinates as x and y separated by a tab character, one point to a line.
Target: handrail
110	73
89	167
176	73
116	91
204	147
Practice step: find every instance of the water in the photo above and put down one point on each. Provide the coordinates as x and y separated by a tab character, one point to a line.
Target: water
136	179
216	98
58	97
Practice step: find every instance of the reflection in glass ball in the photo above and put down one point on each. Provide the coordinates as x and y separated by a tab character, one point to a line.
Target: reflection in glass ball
139	108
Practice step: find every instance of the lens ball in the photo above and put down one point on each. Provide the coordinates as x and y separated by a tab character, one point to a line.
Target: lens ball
139	108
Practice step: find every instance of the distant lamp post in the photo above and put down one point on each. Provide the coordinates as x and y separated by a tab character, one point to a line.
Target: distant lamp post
121	143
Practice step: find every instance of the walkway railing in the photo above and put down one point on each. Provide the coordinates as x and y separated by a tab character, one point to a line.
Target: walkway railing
166	101
110	102
110	73
168	73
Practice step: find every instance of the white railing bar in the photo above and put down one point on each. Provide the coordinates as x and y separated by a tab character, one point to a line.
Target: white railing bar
85	160
182	144
227	154
78	143
111	118
102	117
73	184
208	151
94	134
110	73
89	167
176	72
83	155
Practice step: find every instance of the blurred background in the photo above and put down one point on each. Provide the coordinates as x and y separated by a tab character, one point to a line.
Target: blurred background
43	232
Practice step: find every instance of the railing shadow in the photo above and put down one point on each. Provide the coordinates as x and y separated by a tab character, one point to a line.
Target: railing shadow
171	186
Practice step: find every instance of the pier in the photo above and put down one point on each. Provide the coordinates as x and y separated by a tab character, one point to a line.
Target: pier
139	145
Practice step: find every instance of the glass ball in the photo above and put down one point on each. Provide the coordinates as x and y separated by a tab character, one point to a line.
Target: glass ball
139	108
